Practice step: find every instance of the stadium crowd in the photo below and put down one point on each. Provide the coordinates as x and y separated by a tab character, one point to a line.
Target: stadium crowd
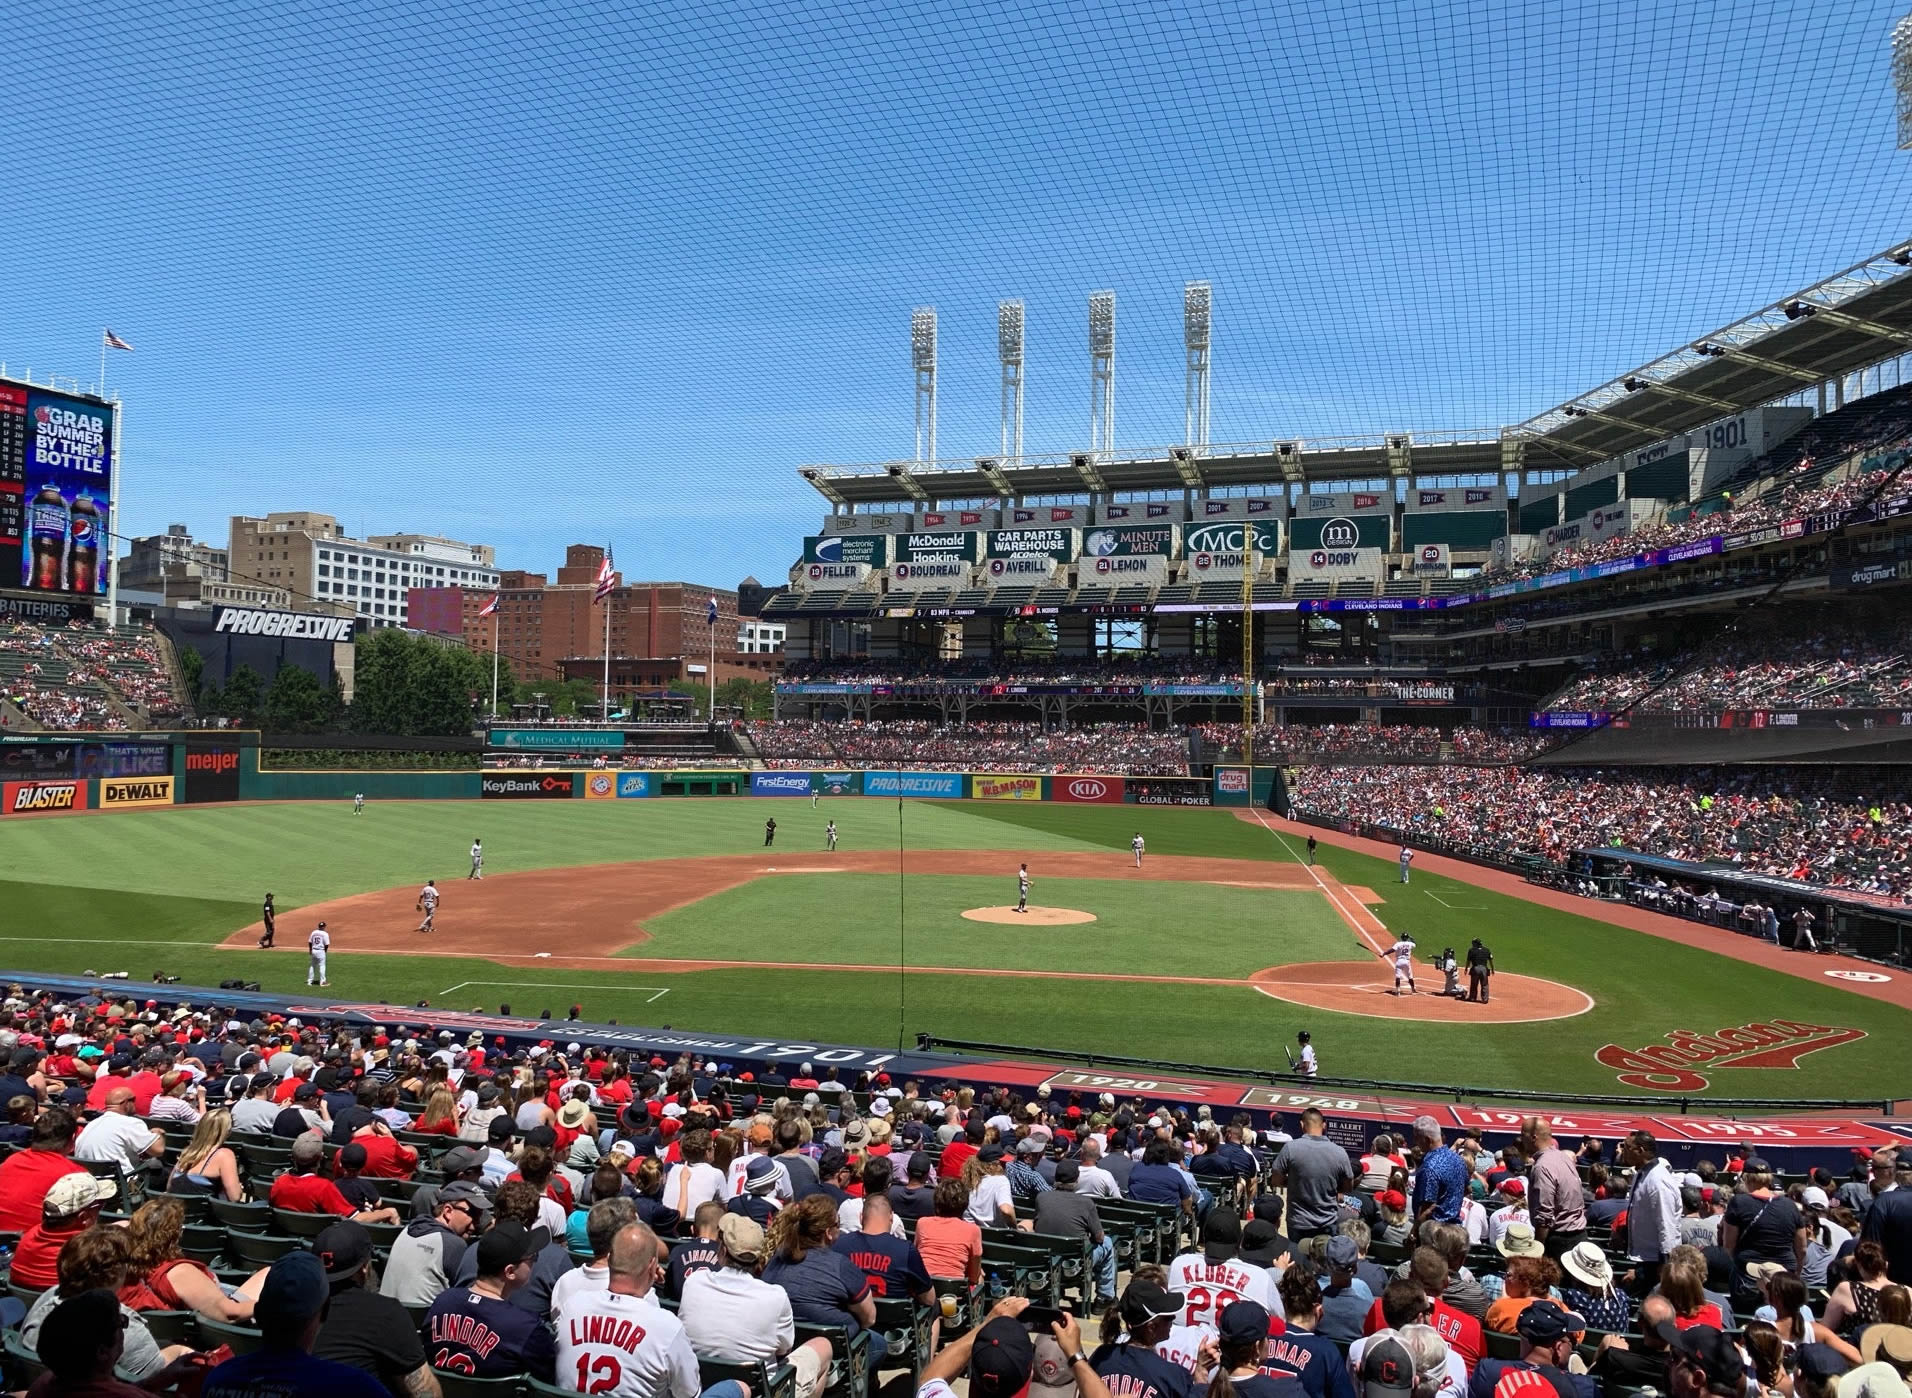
1786	501
1810	661
1131	749
1847	829
1061	670
427	1212
66	677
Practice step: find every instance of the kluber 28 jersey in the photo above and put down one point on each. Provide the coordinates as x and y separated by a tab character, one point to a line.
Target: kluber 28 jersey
1209	1286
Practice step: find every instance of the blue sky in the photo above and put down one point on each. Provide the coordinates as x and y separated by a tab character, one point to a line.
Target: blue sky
531	272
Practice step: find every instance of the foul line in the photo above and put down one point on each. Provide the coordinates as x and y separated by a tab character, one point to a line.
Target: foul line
1322	884
662	991
1456	907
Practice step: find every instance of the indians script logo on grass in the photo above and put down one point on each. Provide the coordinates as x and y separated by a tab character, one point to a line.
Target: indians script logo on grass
1673	1066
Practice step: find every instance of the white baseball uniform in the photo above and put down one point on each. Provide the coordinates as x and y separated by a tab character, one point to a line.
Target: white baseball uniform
1307	1066
477	861
317	944
1209	1286
625	1347
1402	953
1022	890
428	900
829	835
358	803
1136	845
1407	858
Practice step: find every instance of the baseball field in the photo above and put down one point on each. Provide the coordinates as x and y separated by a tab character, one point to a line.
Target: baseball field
1216	951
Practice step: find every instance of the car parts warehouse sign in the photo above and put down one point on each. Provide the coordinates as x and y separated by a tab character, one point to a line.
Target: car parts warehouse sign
293	626
1059	544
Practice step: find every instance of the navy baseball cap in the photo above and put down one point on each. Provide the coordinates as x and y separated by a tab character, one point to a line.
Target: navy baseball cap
1545	1321
1002	1359
1242	1322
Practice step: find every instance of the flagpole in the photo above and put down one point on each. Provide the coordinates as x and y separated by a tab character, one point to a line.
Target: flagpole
495	618
712	676
604	700
102	362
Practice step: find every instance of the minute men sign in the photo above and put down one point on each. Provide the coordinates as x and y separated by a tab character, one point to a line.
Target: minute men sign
295	626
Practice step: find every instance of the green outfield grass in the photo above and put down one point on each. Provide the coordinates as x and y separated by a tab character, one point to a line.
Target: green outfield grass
150	890
1157	929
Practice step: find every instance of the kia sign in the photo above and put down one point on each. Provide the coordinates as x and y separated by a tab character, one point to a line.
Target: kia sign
499	786
779	783
1101	791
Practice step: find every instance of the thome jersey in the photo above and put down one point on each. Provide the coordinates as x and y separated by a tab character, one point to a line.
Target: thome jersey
1209	1286
624	1346
1402	952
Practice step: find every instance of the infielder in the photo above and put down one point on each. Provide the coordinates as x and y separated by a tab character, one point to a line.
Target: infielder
358	803
1407	858
829	836
1136	845
267	916
317	944
477	859
1402	954
770	832
428	904
1022	889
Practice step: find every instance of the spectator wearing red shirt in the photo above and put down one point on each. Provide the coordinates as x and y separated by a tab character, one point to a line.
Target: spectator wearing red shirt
146	1082
1461	1331
386	1157
119	1069
956	1154
303	1190
71	1207
26	1175
302	1072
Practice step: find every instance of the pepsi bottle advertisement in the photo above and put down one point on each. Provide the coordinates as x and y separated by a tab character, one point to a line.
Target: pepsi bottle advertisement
56	480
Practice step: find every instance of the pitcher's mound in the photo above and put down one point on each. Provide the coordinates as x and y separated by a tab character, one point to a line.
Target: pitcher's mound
1041	917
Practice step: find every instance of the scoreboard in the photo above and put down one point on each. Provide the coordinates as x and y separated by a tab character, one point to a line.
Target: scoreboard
56	489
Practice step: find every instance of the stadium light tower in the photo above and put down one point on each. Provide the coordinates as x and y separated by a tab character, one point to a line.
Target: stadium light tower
923	357
1009	350
1902	77
1102	373
1196	305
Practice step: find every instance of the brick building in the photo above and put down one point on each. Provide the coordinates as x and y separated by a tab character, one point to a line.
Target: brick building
540	624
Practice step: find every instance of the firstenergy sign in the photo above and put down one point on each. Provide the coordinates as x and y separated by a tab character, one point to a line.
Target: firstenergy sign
297	626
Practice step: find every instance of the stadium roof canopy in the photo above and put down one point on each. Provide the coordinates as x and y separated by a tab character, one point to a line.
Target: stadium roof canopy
1846	322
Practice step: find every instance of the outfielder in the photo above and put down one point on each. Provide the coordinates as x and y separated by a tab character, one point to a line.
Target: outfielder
829	835
1136	845
477	859
813	798
317	944
1407	858
358	803
1402	954
428	904
1022	889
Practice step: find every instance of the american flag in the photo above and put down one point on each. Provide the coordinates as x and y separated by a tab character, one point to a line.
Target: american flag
606	578
115	342
490	606
710	612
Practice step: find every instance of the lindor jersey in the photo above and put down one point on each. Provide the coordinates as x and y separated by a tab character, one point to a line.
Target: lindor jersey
624	1346
1209	1286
